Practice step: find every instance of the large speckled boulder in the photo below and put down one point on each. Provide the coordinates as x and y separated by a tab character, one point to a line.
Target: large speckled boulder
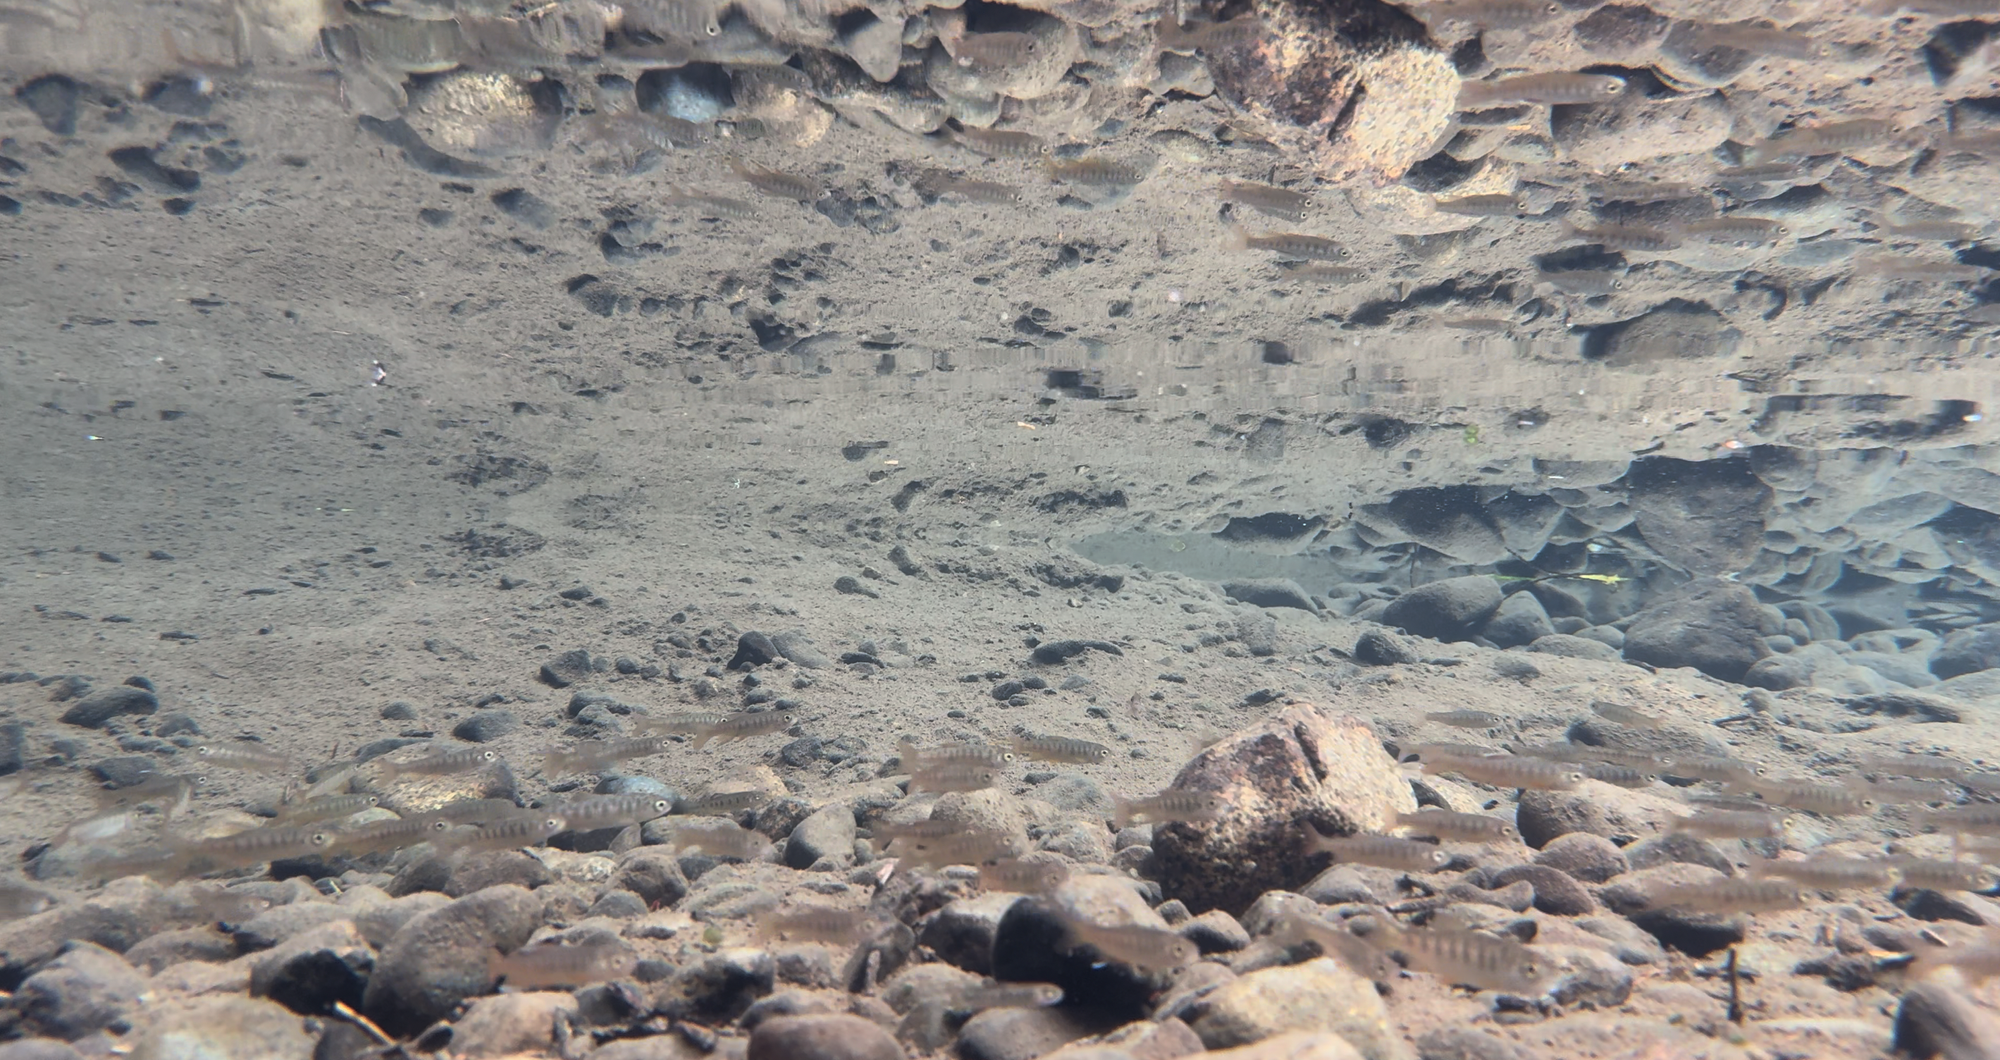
1298	769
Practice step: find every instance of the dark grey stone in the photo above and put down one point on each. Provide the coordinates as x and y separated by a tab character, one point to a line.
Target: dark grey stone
826	1036
1445	610
1678	848
754	649
1557	893
1541	816
125	771
1271	592
94	710
1258	633
1520	620
962	932
1380	648
618	905
1587	857
439	959
566	669
798	647
486	725
13	747
1967	651
1710	624
828	834
1467	1043
87	989
1937	1020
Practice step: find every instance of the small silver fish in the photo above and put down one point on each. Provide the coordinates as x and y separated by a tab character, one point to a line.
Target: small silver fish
1467	957
1486	205
1098	171
1380	851
1060	749
440	762
1728	896
1285	244
1450	824
1149	949
1024	877
1826	799
777	183
1265	199
1170	805
241	757
1467	719
742	726
548	965
1508	771
994	51
999	143
722	803
1620	237
1832	138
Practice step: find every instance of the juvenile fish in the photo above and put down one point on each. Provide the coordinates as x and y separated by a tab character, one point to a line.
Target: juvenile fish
1060	749
970	753
1825	799
171	793
835	927
639	132
1588	282
552	965
1095	171
1728	896
1708	767
990	994
593	755
1642	192
1828	873
962	848
720	839
1834	138
1930	767
1383	852
941	183
1463	957
1895	268
328	808
886	832
1621	237
441	762
1759	40
1285	244
776	183
1742	231
1427	751
1486	205
1490	14
1022	877
611	811
999	143
1971	819
734	727
1623	715
1467	719
1450	824
1509	772
19	900
378	836
524	831
255	847
717	205
1211	36
1621	776
1943	875
1295	926
1899	791
475	811
245	759
1932	231
995	51
954	776
1148	949
1170	805
1322	272
1732	824
722	803
1265	199
1552	89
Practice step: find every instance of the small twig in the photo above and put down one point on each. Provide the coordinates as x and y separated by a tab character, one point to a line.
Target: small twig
340	1009
1735	990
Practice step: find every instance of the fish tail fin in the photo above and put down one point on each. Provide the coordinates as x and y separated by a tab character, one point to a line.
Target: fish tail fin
1121	811
1237	239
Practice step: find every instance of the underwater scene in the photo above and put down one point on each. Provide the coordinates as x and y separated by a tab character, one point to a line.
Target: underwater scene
1090	529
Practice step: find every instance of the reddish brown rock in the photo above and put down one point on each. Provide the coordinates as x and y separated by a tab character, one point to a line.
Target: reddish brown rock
1296	770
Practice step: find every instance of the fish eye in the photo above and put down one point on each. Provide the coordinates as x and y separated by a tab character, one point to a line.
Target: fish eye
1612	88
1868	804
1782	230
320	839
1104	752
713	29
1574	778
1618	285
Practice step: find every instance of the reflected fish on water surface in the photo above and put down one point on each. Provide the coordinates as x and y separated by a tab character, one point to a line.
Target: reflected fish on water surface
1554	89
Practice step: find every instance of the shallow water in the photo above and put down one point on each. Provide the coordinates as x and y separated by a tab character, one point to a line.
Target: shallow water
361	362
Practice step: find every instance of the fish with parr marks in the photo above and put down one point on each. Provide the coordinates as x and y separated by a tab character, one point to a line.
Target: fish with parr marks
1060	749
1173	804
1285	244
548	965
998	143
440	762
1380	851
777	183
1451	824
1265	199
742	726
1149	949
1558	89
1465	957
1508	771
1467	719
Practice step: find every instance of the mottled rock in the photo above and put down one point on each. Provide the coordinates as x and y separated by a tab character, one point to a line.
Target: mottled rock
564	670
309	972
1678	848
492	868
123	913
439	958
721	986
1542	816
1258	633
1586	857
168	948
1675	331
510	1024
1709	624
1214	932
223	1028
821	1037
92	711
827	835
87	989
1587	976
1297	769
653	874
1695	934
1934	1019
1634	128
1966	651
1320	995
1445	610
380	922
1271	592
